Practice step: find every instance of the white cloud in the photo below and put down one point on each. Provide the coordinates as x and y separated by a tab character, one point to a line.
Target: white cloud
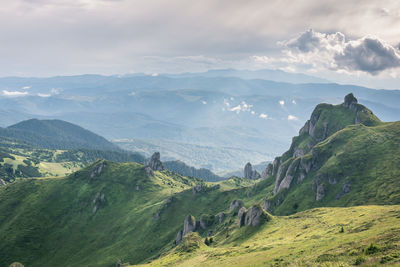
263	116
243	107
253	112
132	93
282	103
333	51
14	93
226	103
294	102
204	102
26	87
55	91
154	74
292	118
44	95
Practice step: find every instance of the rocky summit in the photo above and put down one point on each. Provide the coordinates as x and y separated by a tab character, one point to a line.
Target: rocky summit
155	163
249	173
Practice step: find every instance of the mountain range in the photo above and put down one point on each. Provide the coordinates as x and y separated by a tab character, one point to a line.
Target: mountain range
316	204
240	111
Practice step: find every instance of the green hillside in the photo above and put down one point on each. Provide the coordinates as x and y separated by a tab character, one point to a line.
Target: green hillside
306	211
46	222
22	160
343	156
364	235
56	134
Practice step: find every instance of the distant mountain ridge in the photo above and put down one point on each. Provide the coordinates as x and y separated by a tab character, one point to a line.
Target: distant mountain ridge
56	134
264	74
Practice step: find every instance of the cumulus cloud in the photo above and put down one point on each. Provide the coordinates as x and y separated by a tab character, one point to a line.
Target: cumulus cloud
292	118
263	116
333	51
282	103
204	102
14	93
26	87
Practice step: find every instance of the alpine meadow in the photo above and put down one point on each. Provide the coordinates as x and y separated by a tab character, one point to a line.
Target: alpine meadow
211	133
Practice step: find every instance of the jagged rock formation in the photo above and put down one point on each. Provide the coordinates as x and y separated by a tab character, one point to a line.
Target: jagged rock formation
345	189
96	171
155	163
305	156
97	201
254	216
241	216
249	173
236	205
189	224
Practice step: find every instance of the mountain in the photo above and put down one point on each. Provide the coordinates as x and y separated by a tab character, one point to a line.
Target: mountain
56	134
185	170
344	155
265	74
254	115
102	213
108	213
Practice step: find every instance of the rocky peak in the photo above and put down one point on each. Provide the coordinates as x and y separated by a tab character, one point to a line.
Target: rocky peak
349	100
249	173
155	163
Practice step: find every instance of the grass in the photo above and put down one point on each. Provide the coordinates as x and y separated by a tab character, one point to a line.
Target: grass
50	222
309	238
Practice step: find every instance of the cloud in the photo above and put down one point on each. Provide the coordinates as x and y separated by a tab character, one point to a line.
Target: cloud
243	107
292	118
294	102
26	87
282	103
332	51
263	116
368	54
14	93
44	95
204	102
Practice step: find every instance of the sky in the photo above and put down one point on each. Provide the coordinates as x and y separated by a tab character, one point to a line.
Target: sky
355	42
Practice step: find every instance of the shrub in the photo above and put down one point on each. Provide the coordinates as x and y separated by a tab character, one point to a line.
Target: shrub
371	249
359	260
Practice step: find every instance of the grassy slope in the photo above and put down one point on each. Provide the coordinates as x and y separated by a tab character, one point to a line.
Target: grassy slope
367	157
48	222
309	238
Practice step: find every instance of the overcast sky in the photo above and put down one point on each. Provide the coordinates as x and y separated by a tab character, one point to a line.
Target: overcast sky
343	41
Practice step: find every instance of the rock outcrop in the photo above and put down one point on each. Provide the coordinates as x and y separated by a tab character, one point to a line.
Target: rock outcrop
249	173
304	156
155	163
241	216
345	189
97	170
254	216
179	237
189	225
98	200
236	205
